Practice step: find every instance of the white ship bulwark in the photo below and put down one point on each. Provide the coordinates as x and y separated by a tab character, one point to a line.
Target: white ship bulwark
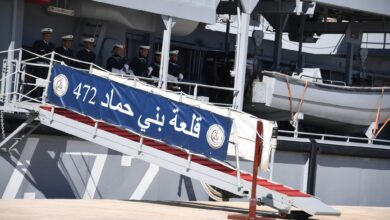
350	105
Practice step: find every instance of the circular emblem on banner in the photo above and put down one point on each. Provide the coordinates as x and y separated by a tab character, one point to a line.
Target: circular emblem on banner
215	136
60	85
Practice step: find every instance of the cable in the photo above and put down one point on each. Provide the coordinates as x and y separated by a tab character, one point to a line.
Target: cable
383	126
301	98
261	137
212	193
378	113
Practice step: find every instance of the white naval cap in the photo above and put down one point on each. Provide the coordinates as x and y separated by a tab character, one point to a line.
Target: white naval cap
174	52
144	47
46	30
119	46
67	37
88	40
157	53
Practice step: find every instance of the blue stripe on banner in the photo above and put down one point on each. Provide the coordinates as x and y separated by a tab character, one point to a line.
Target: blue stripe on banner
154	116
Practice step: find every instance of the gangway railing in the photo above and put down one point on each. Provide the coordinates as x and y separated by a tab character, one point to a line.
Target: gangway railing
195	86
20	95
17	95
49	59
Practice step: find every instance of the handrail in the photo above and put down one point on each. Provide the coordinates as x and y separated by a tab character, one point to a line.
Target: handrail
6	51
196	85
179	82
92	65
324	136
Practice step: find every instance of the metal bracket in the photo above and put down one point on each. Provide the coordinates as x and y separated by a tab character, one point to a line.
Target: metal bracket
189	161
52	114
95	128
181	97
239	186
30	123
141	143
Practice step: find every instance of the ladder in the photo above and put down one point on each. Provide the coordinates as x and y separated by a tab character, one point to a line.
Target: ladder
217	173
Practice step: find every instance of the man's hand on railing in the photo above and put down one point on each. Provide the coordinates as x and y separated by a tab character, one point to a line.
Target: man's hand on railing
181	77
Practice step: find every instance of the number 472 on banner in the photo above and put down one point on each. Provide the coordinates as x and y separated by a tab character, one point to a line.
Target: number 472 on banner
87	92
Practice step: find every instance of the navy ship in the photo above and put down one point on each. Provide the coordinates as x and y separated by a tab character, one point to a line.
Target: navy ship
314	73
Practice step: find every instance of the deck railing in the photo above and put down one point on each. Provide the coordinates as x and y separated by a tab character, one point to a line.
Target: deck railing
20	82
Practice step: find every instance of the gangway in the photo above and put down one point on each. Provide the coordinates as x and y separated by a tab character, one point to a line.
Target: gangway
190	163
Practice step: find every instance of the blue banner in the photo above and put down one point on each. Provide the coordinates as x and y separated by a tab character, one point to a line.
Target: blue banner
151	115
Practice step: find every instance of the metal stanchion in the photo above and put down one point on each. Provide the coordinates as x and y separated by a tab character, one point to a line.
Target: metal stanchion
252	202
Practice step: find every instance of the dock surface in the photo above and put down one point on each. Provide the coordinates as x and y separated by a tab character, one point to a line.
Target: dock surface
115	209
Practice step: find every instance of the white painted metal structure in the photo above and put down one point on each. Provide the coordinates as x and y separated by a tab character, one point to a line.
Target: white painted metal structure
169	23
216	173
242	50
194	10
380	7
131	17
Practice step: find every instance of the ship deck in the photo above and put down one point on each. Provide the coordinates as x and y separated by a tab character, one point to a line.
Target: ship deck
116	209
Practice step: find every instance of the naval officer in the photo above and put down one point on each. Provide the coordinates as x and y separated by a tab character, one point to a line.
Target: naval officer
156	65
40	47
174	68
117	62
65	49
86	54
139	64
45	45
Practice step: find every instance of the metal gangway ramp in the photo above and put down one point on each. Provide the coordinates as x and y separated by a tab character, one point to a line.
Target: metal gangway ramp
17	98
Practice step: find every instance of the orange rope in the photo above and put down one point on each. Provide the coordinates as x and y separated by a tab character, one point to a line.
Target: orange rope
383	126
301	98
290	97
378	113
